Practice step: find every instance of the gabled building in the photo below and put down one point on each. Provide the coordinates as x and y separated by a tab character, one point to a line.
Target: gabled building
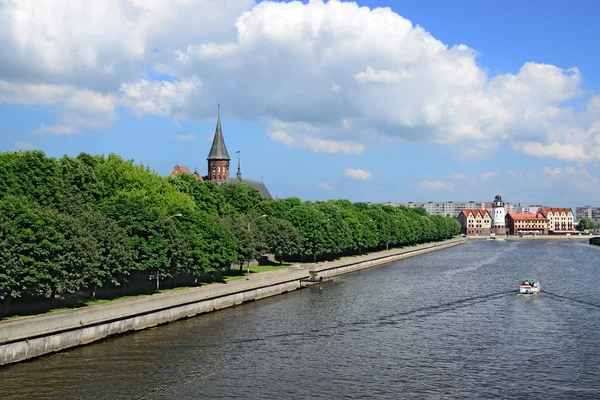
526	224
560	220
180	169
475	222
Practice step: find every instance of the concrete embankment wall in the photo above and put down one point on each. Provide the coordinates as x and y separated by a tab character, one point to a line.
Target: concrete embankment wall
29	337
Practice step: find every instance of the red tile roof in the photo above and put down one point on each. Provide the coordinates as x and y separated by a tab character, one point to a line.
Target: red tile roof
475	213
179	169
526	217
546	210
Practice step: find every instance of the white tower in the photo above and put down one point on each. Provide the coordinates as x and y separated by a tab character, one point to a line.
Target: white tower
498	216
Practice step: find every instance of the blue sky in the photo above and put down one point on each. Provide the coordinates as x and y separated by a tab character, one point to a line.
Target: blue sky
323	99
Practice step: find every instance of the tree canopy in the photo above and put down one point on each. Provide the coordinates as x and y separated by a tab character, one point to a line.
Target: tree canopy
79	224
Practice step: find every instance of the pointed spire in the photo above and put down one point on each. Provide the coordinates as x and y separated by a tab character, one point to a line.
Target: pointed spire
238	175
218	151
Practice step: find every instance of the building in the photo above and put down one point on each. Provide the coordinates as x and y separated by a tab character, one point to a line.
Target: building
445	209
179	169
560	220
218	162
475	222
498	216
451	208
526	224
587	212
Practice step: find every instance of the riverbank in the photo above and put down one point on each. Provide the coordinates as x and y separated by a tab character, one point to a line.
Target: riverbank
29	337
531	237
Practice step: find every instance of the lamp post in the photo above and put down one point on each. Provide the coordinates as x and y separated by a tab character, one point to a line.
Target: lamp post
255	219
157	270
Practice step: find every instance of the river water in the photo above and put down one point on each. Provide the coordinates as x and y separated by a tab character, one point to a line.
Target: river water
443	325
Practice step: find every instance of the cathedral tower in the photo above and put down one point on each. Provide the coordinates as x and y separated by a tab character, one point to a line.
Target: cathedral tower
218	157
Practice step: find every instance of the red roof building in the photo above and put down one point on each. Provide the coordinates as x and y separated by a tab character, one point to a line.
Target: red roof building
526	224
180	169
475	222
560	220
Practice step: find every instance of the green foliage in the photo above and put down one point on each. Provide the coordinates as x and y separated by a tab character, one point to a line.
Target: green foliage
77	224
586	224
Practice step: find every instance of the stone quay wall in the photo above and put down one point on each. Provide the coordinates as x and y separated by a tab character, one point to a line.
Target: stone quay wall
29	337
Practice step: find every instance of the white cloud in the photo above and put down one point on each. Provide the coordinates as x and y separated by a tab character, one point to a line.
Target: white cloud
436	185
458	176
55	130
332	75
359	174
567	152
304	135
185	138
24	146
323	185
488	175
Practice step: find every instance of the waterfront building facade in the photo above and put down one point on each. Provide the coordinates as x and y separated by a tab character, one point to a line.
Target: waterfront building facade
560	220
475	222
526	224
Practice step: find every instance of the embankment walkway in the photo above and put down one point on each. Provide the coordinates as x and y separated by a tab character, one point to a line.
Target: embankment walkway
28	337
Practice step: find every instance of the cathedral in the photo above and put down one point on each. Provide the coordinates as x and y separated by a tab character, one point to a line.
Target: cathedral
218	161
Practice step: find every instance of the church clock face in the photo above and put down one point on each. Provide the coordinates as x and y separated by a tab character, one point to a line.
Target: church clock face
213	164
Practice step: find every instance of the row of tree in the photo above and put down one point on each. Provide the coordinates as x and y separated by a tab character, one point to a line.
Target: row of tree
80	224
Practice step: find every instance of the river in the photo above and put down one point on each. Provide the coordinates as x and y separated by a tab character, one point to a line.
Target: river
443	325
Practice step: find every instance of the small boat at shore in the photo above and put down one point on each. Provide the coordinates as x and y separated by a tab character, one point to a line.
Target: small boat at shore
529	286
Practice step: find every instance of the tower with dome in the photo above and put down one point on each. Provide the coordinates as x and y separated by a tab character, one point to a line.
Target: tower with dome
498	216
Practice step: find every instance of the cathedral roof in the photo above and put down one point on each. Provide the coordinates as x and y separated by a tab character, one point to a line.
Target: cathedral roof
218	151
258	185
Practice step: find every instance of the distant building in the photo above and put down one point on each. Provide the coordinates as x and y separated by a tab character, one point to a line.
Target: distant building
444	209
526	224
218	161
560	220
178	170
475	222
449	208
587	212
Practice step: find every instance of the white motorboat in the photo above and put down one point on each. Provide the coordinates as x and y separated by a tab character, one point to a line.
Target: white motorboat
529	286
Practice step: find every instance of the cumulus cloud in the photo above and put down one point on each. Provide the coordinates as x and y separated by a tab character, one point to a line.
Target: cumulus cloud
185	138
55	130
24	146
436	185
488	175
323	185
458	176
330	76
359	174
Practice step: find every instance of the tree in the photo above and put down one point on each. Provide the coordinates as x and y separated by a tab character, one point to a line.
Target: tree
282	238
586	224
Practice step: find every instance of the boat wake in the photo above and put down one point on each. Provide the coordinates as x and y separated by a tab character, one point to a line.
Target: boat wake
384	320
556	296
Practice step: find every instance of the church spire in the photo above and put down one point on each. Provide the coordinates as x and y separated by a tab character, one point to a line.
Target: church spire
218	151
238	175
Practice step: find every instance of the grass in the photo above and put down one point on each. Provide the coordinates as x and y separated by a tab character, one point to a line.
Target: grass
235	274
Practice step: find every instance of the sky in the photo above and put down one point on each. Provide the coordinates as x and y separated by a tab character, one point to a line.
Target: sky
373	100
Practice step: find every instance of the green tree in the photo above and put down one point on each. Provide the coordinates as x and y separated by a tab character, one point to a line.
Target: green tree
586	224
282	238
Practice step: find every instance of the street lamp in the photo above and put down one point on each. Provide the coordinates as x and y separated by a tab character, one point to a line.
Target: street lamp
157	270
257	218
262	216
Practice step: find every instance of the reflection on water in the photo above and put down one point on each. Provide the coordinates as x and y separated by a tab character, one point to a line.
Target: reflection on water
446	324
